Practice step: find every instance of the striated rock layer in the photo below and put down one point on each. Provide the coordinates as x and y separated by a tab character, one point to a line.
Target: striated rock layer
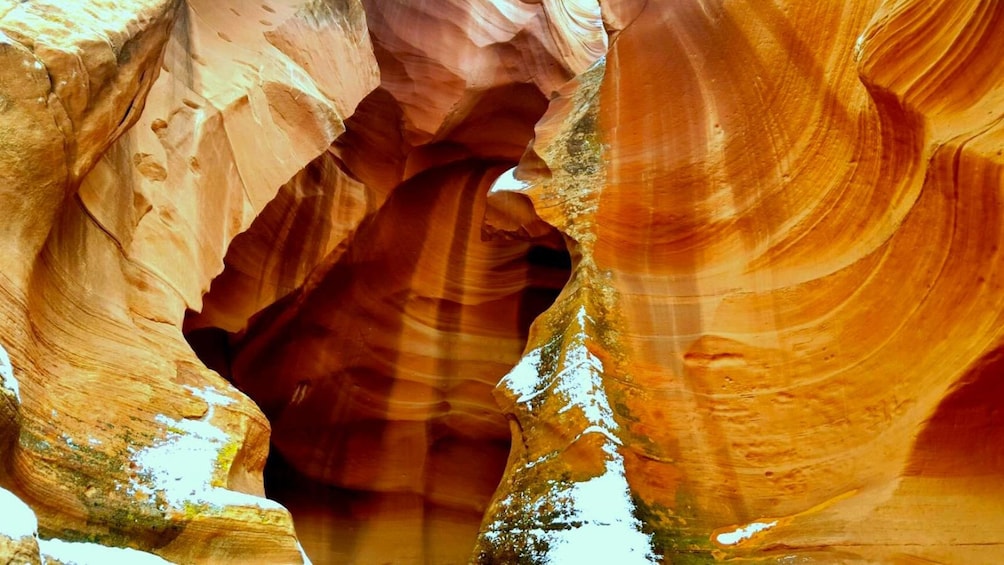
141	137
377	371
783	321
738	301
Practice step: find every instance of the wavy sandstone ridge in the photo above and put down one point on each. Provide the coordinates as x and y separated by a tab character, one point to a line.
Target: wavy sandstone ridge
738	301
377	372
785	307
142	137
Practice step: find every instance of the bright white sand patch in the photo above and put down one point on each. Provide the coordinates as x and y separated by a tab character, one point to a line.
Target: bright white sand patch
594	524
524	379
609	532
179	469
593	520
581	381
739	534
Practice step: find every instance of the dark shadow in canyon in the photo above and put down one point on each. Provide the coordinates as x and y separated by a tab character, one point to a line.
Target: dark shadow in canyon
376	368
377	373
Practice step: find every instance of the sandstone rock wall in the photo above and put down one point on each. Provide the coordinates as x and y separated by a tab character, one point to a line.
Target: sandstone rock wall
739	299
142	137
785	293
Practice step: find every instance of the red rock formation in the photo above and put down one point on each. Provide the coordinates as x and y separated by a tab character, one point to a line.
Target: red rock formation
143	137
785	269
773	336
386	408
377	375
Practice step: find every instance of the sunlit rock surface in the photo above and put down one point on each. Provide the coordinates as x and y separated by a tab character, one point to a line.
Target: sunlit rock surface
377	372
139	139
738	300
788	223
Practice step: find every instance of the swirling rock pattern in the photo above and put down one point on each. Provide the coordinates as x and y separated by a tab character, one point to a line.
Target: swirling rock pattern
140	138
786	296
738	301
377	372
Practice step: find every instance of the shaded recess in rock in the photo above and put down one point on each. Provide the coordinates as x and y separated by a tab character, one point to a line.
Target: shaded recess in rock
370	312
370	317
964	438
344	377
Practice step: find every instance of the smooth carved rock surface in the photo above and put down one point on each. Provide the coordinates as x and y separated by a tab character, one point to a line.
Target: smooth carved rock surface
377	372
141	138
390	396
740	300
786	306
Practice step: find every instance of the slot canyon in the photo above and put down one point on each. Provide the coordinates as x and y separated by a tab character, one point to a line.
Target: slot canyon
501	282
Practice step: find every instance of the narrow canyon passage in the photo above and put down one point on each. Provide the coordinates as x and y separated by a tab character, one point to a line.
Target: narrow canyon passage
501	281
373	306
377	375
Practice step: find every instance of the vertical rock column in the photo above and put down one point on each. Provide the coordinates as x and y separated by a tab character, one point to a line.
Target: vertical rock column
565	496
787	284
